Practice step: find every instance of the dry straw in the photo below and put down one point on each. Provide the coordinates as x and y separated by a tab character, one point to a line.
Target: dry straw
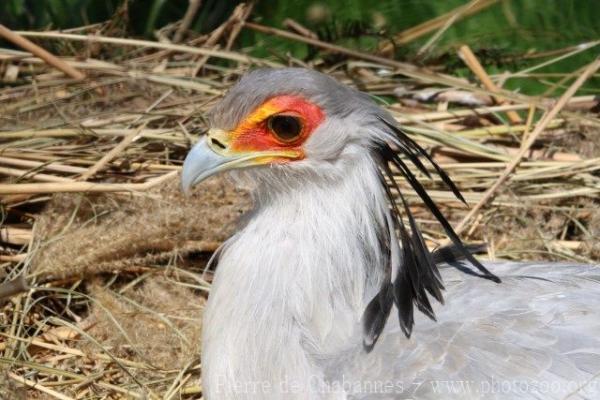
103	259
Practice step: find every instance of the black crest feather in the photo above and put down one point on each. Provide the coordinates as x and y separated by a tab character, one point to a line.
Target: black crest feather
416	275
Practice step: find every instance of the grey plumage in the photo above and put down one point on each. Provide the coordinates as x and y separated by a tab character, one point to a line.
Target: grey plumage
257	86
286	314
535	336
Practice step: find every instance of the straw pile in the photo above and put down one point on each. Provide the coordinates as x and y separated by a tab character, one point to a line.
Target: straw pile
102	258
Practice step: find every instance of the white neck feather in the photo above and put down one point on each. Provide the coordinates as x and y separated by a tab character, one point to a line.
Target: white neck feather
308	256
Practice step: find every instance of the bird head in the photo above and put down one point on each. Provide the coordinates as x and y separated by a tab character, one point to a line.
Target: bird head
292	121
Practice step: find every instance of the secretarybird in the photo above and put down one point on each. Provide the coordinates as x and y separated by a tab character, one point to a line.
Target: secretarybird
302	293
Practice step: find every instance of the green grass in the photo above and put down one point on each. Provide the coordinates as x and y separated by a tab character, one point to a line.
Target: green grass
39	14
514	24
499	34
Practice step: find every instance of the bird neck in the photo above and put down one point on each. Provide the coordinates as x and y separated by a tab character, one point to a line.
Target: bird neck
296	279
310	239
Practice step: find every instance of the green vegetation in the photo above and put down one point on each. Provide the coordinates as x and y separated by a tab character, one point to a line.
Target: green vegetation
500	34
35	14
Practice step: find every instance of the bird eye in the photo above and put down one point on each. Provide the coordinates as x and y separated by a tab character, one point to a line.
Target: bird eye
287	128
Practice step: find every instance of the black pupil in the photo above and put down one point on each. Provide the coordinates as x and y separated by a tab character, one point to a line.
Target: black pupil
285	127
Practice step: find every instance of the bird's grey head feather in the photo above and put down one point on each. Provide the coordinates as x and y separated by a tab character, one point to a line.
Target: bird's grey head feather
257	86
353	123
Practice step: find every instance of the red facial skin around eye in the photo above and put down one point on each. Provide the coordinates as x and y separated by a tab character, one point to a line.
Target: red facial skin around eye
252	134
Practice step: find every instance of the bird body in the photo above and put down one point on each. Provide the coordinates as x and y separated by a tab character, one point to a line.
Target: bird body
302	293
535	336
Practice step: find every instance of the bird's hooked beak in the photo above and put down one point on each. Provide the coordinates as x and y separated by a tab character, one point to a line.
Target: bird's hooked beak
214	154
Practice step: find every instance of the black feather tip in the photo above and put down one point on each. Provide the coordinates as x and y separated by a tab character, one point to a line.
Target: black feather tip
417	276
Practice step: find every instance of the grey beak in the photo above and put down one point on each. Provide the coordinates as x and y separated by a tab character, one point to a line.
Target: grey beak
200	163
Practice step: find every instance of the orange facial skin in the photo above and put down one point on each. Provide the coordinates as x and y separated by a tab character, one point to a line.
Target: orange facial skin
253	135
